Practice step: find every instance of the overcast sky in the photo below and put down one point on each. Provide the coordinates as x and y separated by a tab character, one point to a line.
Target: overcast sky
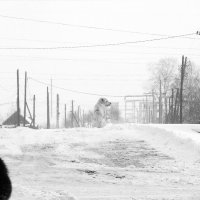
113	70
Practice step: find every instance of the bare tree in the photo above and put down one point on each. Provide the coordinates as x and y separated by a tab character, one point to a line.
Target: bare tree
162	78
168	72
164	70
191	94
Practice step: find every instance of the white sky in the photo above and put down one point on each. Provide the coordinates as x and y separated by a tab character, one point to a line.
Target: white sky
115	70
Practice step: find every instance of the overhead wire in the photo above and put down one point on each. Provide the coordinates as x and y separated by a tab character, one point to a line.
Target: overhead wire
83	26
78	26
67	42
96	45
74	91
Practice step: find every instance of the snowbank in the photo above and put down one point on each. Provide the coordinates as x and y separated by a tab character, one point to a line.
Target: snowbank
91	162
180	141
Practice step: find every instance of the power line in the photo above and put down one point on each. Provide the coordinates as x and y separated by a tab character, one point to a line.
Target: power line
67	42
85	26
140	46
78	26
74	91
94	79
95	45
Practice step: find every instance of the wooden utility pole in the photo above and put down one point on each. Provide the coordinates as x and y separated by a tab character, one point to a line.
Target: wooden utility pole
57	112
175	105
34	111
181	90
184	62
48	117
169	112
65	116
18	106
172	107
72	115
178	109
25	87
165	98
51	99
149	113
78	115
75	117
160	104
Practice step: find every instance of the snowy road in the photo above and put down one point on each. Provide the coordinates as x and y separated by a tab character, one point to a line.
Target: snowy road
122	162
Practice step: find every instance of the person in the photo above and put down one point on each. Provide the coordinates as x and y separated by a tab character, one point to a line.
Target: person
5	182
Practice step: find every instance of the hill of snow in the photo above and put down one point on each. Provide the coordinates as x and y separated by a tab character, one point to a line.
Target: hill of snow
123	161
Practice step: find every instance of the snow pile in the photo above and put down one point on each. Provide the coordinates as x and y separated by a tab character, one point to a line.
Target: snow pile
173	139
105	163
181	141
185	132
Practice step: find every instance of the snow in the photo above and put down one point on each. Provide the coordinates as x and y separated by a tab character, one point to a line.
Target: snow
184	136
124	161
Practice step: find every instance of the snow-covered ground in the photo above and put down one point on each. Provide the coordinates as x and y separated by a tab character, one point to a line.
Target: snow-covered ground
118	162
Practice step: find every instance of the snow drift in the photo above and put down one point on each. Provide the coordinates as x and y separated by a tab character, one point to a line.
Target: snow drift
124	161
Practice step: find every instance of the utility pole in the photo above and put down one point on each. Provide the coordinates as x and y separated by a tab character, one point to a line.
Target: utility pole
134	118
78	115
175	106
57	112
160	104
25	86
18	106
184	62
172	107
34	111
149	111
165	98
48	118
169	113
72	115
65	116
51	99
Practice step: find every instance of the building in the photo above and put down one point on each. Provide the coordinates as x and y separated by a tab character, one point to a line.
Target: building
12	120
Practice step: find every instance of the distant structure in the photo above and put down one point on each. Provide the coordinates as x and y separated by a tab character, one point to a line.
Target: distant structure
141	108
12	120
